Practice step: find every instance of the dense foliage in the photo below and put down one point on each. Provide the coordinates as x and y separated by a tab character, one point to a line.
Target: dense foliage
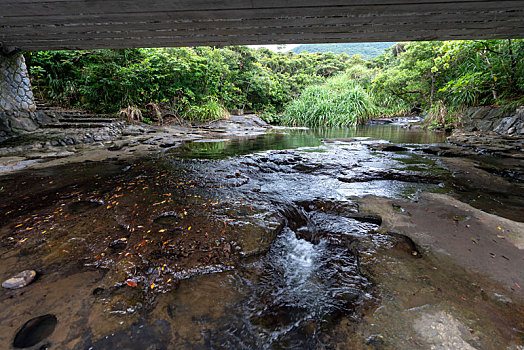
192	83
365	50
441	78
314	89
445	77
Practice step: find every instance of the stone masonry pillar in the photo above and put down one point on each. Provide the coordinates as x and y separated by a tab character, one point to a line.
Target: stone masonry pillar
17	105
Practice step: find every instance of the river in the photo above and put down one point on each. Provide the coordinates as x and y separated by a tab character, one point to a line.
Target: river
245	243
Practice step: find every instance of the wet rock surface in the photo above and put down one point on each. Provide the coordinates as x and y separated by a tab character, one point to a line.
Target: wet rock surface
489	131
485	243
443	331
250	244
78	142
493	143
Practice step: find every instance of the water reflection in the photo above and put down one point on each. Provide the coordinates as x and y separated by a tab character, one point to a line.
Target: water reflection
289	139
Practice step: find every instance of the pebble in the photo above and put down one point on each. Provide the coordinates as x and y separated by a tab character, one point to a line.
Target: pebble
20	280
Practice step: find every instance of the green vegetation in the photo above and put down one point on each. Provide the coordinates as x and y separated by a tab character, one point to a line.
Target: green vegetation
340	101
443	78
438	78
190	83
365	50
311	89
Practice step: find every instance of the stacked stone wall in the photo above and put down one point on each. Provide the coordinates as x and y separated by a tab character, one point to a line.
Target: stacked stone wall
17	106
496	119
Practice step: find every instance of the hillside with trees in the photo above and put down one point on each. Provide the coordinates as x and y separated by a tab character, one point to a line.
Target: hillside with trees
313	89
365	50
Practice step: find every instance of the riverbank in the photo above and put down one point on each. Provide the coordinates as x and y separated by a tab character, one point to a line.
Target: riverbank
52	147
489	130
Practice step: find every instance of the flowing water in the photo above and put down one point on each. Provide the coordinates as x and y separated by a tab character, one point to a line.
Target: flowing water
252	243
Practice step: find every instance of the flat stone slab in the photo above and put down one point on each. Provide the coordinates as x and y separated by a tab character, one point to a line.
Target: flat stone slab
485	243
20	280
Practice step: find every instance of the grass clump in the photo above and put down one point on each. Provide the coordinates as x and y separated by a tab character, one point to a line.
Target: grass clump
210	110
340	101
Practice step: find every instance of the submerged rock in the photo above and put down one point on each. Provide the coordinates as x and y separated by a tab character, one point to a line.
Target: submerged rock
388	147
256	233
118	245
167	219
20	280
82	206
443	331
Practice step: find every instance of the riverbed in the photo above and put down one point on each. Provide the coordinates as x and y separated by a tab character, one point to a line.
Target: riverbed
353	238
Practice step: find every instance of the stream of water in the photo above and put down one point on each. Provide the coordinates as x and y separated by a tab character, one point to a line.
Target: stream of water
251	243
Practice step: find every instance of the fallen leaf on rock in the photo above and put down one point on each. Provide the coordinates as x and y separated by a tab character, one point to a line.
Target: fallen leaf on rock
131	283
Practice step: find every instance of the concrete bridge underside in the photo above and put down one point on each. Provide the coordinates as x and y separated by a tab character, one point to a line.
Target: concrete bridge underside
91	24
